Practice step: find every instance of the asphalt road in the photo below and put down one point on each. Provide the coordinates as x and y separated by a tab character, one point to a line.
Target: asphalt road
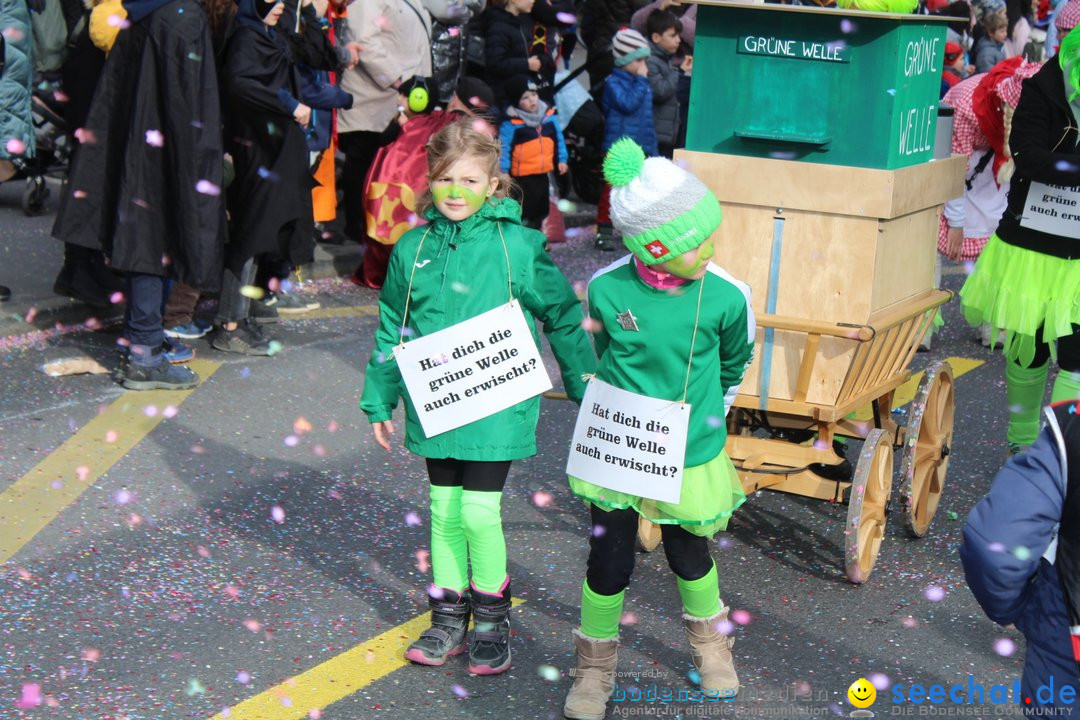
254	554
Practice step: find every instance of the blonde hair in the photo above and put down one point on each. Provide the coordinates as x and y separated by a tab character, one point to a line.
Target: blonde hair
994	22
460	140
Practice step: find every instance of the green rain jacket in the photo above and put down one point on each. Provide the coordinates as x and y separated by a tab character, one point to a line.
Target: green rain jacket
459	274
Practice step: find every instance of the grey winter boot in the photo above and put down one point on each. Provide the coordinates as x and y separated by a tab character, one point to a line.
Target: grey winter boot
446	636
711	652
489	649
594	677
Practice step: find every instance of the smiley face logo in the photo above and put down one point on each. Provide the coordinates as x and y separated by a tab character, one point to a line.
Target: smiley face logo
861	694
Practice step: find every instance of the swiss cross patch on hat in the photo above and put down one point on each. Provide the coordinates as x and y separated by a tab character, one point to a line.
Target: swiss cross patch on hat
657	248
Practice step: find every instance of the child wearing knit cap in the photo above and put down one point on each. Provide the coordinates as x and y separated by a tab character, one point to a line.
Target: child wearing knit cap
628	112
670	325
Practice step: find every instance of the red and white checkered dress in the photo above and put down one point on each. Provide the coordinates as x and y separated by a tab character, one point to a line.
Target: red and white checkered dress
966	139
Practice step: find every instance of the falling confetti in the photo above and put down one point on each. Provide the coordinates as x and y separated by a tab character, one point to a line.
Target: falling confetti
154	138
116	298
31	696
422	563
243	677
741	617
628	618
206	187
541	498
1004	647
412	519
459	691
15	146
879	680
301	426
291	441
277	514
253	291
934	593
194	688
123	497
549	673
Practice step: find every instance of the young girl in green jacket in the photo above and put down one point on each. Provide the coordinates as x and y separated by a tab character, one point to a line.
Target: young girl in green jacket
472	257
672	326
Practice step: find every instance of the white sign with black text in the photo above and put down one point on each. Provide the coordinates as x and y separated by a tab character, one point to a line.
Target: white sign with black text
1053	209
473	369
631	443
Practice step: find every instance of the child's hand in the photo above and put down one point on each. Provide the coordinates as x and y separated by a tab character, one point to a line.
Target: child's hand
354	49
534	64
687	64
383	431
643	70
302	115
954	242
563	168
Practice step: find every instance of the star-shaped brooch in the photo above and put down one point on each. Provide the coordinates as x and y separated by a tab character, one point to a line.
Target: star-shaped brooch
627	320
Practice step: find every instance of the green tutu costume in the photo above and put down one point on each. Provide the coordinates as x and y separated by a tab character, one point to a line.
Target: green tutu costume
1020	291
710	494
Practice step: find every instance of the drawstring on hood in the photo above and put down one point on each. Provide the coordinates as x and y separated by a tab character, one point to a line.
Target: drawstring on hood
448	233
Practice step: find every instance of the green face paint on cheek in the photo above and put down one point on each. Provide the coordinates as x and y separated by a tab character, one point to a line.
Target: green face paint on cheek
473	199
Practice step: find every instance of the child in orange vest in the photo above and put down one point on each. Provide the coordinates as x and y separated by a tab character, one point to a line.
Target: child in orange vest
532	146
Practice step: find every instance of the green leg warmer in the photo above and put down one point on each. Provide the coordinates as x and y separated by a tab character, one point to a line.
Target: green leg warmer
1066	386
600	614
1024	388
481	518
449	560
701	597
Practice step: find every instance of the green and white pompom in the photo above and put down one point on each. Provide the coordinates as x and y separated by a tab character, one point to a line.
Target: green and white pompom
623	162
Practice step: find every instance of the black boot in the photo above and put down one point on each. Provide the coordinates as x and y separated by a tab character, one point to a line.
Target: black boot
841	472
489	650
449	625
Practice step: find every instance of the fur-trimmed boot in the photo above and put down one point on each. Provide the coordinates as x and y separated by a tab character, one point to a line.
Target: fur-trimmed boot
489	649
594	677
711	652
449	626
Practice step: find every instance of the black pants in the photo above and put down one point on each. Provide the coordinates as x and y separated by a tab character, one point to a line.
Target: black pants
474	475
535	199
611	551
359	148
1068	351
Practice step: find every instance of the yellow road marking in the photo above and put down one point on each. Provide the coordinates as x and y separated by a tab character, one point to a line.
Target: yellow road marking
335	312
906	392
334	679
36	498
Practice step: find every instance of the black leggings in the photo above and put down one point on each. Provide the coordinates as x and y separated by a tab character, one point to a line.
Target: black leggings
611	551
1068	351
477	475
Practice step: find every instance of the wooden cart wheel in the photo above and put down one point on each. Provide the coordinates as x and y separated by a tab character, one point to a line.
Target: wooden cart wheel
928	439
648	535
867	501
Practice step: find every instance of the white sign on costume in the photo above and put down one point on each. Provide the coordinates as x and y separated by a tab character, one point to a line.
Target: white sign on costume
473	369
630	443
1053	209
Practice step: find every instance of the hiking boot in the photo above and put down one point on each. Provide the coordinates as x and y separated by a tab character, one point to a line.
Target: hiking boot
161	376
489	649
449	626
246	339
176	352
594	677
711	653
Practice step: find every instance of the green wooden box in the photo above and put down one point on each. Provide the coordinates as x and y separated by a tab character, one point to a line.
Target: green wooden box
817	85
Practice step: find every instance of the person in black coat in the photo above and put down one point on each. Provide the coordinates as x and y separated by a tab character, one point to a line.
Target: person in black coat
270	197
145	184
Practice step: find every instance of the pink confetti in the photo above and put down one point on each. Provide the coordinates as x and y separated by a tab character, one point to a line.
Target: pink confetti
116	298
412	519
13	34
150	410
541	498
319	451
879	681
909	622
123	497
232	591
91	655
422	564
628	618
82	472
934	593
1004	647
591	325
85	136
314	713
740	616
134	519
253	625
154	138
459	691
31	696
15	146
203	552
169	412
118	22
30	315
291	441
725	627
110	436
243	677
382	22
566	18
286	701
277	514
207	188
454	31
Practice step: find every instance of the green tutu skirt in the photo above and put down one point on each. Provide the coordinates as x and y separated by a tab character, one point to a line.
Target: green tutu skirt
710	494
1020	291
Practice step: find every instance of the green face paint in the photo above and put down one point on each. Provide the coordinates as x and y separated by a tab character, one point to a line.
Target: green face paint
689	264
441	193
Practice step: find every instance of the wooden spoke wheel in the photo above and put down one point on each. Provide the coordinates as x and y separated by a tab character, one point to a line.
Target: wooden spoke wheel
927	441
867	504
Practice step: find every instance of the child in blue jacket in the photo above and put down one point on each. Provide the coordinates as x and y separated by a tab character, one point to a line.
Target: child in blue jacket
1021	555
628	112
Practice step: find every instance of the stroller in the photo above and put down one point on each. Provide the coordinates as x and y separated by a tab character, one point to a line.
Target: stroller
53	148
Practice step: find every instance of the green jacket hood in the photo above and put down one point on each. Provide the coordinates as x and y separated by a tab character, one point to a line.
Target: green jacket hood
497	210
